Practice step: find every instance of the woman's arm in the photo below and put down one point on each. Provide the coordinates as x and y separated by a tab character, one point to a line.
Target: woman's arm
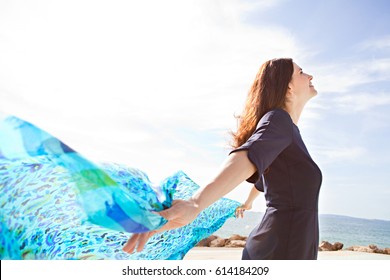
248	203
252	196
235	170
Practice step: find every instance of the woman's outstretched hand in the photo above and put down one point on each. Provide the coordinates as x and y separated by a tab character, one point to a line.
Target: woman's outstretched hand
239	213
181	213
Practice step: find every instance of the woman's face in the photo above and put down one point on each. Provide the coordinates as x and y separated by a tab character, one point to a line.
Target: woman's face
300	84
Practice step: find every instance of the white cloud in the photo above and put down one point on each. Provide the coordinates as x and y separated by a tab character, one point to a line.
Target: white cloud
382	43
340	153
358	102
339	77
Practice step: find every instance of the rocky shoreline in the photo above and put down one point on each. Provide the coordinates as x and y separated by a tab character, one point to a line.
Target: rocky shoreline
238	241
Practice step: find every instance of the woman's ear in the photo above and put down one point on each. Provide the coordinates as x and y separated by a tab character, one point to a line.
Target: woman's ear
290	92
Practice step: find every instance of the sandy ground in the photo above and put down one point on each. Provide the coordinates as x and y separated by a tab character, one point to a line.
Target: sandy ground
206	253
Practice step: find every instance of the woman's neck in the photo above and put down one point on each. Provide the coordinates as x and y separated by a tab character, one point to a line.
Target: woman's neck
294	111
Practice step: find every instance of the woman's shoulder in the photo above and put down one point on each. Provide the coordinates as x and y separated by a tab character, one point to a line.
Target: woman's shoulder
277	116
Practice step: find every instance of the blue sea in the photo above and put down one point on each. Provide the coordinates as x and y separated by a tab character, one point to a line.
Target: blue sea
333	228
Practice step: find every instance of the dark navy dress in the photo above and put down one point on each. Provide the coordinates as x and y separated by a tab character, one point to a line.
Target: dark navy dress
291	182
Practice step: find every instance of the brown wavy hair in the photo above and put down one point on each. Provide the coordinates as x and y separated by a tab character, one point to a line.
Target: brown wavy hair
268	92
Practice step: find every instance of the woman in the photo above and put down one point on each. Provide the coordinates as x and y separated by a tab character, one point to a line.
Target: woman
270	153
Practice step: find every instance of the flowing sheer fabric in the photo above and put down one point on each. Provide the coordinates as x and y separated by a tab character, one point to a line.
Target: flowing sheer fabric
56	204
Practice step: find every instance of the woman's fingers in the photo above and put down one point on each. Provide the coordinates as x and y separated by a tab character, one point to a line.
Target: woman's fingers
137	242
131	243
239	213
142	239
177	215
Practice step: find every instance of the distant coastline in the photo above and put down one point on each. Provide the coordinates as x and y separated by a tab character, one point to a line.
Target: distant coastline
350	231
349	217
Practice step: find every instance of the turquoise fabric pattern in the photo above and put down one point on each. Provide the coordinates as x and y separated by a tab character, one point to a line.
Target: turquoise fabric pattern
56	204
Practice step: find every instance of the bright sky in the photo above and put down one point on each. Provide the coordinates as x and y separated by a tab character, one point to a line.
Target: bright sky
156	84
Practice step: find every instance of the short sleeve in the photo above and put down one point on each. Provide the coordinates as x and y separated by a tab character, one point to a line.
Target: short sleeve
273	134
